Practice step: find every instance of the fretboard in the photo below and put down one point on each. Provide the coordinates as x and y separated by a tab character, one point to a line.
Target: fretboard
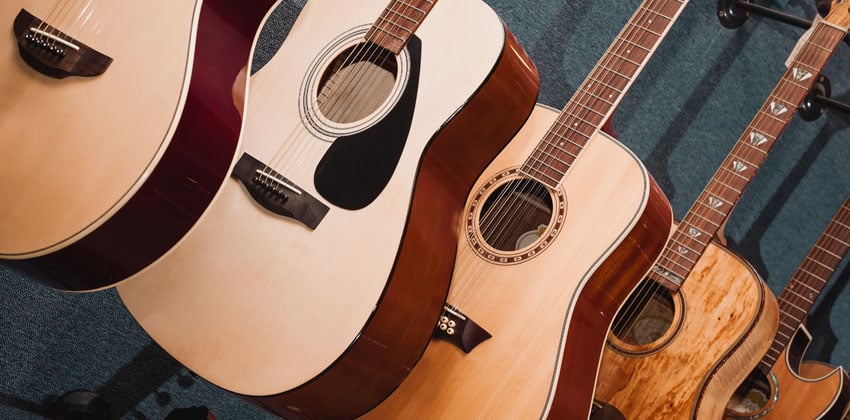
398	22
601	91
801	292
715	203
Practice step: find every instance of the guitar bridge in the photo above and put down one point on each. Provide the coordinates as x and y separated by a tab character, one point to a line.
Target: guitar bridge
52	52
278	194
460	330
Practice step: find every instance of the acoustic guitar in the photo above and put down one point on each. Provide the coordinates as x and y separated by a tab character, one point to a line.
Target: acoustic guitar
313	282
116	129
782	386
557	232
703	318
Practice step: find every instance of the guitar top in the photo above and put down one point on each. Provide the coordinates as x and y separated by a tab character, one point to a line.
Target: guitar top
108	162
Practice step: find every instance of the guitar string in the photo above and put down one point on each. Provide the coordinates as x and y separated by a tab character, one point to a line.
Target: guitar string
495	217
83	18
294	148
637	305
836	233
503	208
390	15
835	238
46	27
676	255
357	54
57	18
640	294
559	129
67	21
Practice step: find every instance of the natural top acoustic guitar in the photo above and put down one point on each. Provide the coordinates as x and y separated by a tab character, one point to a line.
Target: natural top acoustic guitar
116	128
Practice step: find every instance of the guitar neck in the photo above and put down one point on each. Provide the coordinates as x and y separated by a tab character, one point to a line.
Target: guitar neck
801	292
718	199
398	22
601	91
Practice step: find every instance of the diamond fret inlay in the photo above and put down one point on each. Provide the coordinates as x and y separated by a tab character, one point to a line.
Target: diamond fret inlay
714	202
777	109
739	166
683	250
800	74
757	139
694	232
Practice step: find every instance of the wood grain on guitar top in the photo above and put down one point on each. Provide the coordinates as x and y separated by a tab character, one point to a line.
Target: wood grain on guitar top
104	174
326	322
529	306
730	318
74	148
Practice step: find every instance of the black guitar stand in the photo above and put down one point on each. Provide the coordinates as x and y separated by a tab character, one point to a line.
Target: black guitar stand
733	13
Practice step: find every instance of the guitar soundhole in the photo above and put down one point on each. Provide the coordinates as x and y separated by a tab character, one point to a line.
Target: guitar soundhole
515	215
754	398
356	83
514	218
648	319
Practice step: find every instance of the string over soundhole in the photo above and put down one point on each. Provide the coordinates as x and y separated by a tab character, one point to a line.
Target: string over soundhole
514	218
648	320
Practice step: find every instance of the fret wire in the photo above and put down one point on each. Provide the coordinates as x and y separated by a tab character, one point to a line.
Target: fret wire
635	44
805	284
841	224
837	239
403	16
830	252
798	296
615	72
818	262
689	260
723	184
742	154
808	272
645	29
601	115
378	28
771	116
787	325
709	221
619	92
611	72
626	59
568	140
404	28
555	157
674	262
412	6
544	174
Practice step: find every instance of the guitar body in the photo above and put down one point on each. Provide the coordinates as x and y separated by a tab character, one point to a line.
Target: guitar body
326	322
718	334
801	389
103	174
548	314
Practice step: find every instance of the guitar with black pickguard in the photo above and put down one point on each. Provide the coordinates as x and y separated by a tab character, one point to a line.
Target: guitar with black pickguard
313	283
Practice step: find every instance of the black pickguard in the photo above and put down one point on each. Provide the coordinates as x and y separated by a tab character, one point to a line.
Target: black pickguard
356	168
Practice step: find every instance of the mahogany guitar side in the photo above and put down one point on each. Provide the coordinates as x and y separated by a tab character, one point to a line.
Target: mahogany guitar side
326	322
568	293
723	335
102	175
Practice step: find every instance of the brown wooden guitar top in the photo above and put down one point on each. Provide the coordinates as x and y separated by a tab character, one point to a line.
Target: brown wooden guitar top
729	320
